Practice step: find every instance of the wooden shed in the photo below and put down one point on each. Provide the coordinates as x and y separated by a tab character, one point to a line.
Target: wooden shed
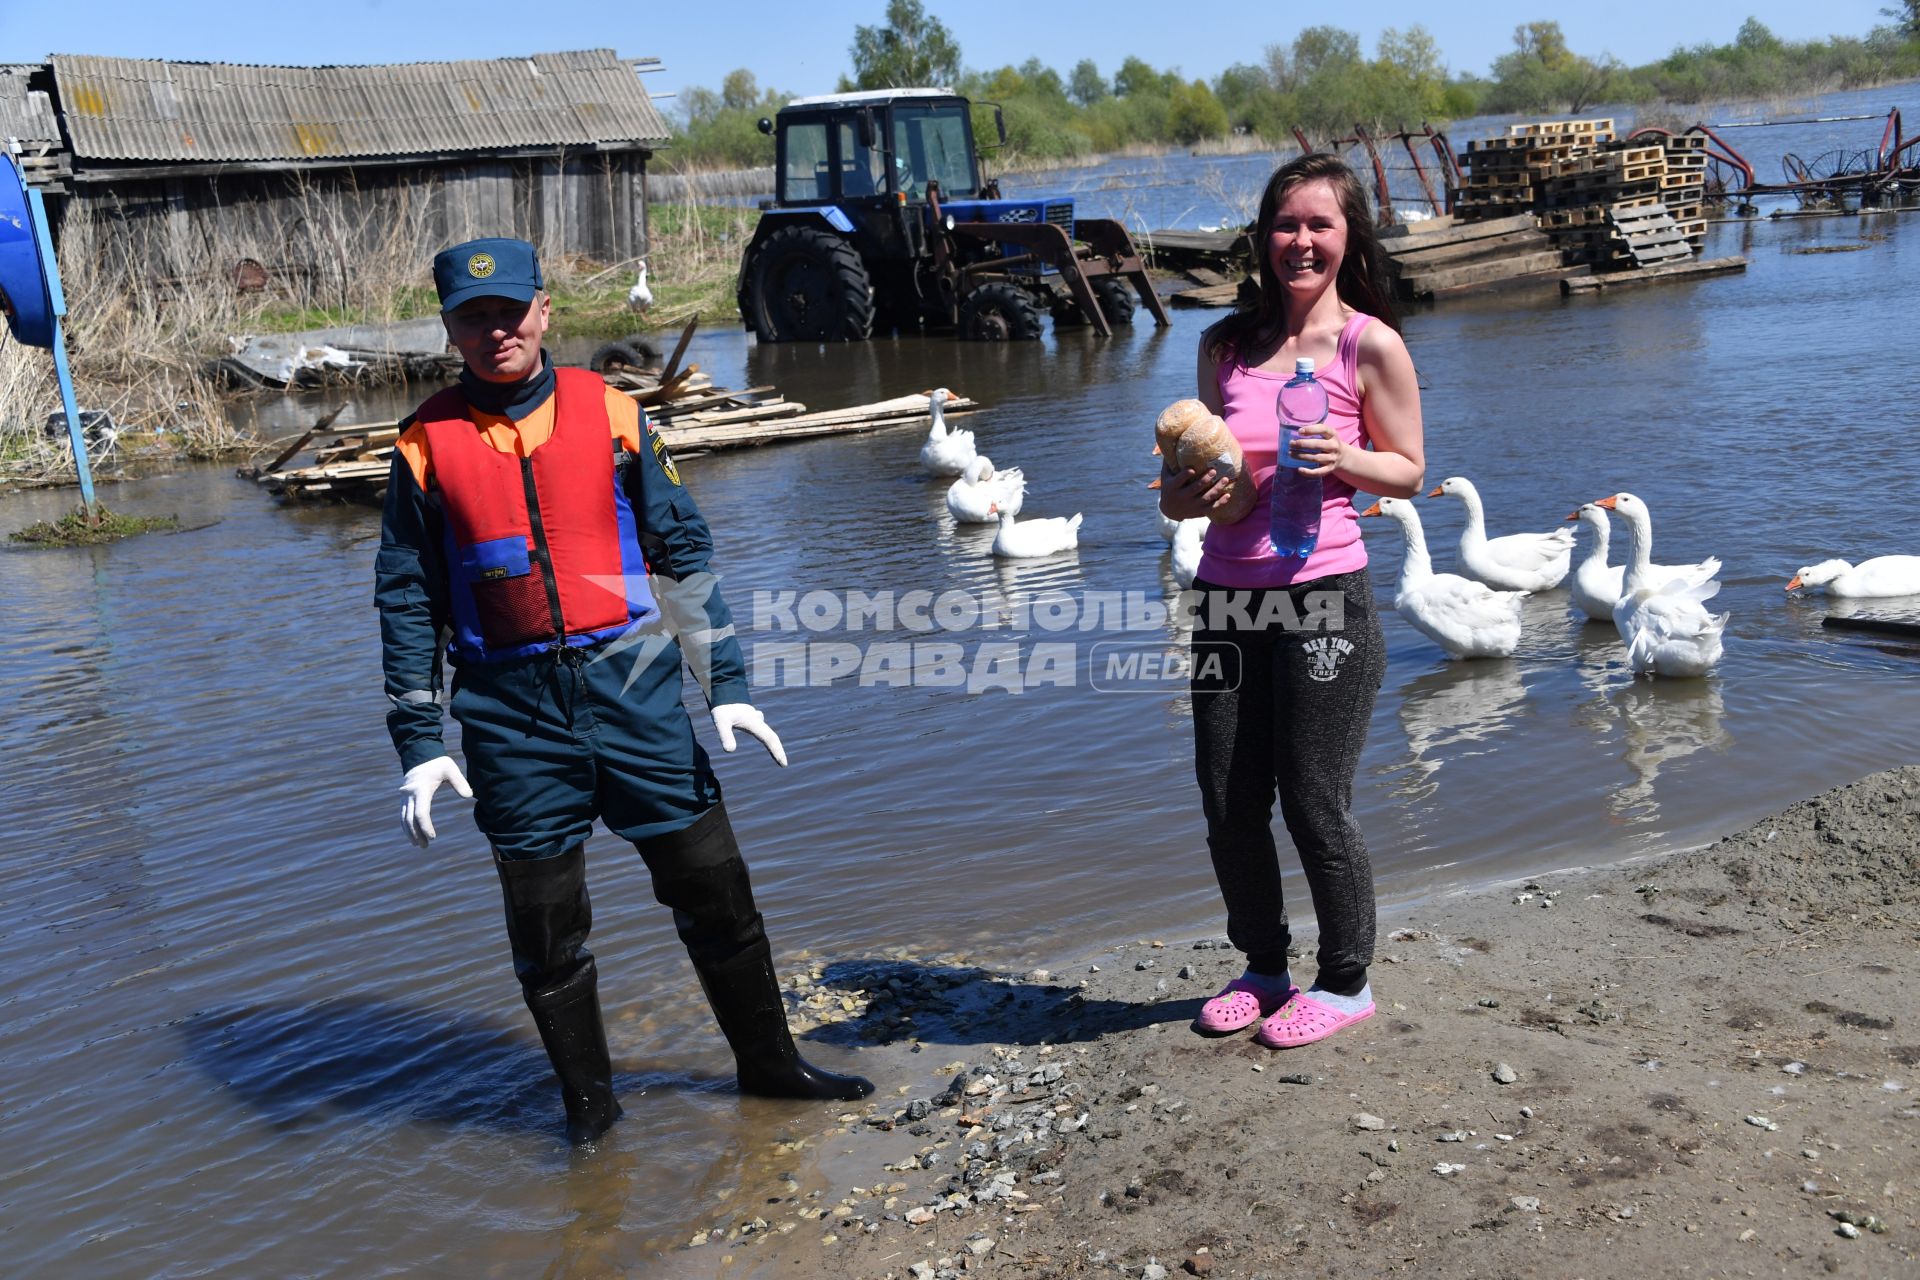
191	168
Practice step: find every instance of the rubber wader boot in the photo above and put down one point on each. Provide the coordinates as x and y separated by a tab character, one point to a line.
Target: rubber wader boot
745	994
548	918
699	873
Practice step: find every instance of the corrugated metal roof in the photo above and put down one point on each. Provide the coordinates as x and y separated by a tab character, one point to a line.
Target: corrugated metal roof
25	114
135	109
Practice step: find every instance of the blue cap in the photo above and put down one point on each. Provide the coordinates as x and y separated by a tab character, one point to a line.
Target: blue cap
495	267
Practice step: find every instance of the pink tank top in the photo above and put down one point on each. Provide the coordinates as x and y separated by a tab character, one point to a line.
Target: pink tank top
1239	554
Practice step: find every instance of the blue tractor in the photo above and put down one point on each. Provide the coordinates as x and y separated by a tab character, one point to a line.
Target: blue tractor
881	222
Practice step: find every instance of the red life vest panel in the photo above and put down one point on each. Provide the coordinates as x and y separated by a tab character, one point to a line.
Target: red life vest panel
540	548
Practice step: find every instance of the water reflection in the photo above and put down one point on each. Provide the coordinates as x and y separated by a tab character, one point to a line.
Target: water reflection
1651	723
1459	704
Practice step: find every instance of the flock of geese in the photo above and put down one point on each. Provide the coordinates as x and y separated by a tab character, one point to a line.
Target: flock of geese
985	495
1660	610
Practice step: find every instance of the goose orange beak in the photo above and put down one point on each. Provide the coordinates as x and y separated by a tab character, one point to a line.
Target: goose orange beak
1574	516
1156	448
1608	502
1795	584
1373	510
1154	483
1439	491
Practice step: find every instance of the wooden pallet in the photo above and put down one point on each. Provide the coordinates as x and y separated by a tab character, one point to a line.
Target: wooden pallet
1648	237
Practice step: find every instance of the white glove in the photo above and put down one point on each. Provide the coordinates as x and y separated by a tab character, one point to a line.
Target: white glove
729	716
416	814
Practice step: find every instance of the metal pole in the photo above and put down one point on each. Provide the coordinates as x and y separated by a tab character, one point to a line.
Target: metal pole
37	212
74	431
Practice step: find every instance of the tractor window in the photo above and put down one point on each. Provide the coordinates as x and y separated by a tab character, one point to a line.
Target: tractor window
936	142
863	172
804	172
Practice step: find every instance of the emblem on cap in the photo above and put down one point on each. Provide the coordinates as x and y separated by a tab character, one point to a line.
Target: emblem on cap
480	266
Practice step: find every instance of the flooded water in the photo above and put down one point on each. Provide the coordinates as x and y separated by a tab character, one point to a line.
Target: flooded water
250	1031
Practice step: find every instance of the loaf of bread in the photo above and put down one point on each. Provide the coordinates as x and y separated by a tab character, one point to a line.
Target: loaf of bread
1192	437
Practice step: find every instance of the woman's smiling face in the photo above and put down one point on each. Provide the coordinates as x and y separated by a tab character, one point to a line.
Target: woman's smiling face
1308	239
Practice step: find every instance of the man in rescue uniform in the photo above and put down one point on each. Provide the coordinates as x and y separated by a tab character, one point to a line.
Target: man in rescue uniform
536	517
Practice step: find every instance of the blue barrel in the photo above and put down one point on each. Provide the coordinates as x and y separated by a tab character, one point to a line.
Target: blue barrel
23	277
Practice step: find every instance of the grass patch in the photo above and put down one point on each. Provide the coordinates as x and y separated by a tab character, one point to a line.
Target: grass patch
75	530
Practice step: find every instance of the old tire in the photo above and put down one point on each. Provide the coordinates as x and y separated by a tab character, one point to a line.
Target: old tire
999	313
809	286
634	353
1116	300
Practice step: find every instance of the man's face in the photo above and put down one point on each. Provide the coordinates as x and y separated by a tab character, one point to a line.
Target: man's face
499	338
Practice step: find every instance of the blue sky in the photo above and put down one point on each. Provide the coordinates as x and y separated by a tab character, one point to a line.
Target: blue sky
804	50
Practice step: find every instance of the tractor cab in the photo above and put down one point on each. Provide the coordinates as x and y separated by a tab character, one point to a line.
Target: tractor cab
881	220
882	145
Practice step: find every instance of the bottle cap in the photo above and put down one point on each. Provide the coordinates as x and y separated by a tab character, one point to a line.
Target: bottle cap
1303	365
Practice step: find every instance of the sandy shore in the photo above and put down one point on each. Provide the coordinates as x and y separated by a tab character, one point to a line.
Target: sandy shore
1711	1067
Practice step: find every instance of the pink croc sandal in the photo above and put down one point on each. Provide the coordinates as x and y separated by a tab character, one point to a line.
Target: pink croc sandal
1302	1020
1239	1004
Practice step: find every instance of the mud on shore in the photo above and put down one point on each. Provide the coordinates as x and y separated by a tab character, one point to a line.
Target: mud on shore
1703	1066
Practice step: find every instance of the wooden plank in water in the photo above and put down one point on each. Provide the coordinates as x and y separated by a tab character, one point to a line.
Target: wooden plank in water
1456	233
1215	242
1515	284
1652	275
1416	230
1213	295
1415	260
1518	264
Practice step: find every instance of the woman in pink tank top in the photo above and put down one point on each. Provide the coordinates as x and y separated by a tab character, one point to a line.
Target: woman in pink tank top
1285	709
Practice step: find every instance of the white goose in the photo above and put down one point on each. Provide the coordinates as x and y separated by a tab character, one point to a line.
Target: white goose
1466	618
1188	538
946	453
1024	541
1665	625
1597	585
980	491
1516	562
640	297
1868	580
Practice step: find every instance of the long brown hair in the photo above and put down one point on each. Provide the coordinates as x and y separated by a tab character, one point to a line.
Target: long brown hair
1361	283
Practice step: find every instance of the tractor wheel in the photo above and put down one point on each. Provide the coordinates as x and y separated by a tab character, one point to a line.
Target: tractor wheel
1116	299
810	286
999	312
635	352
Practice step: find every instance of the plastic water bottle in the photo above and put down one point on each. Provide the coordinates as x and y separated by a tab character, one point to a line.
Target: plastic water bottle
1294	521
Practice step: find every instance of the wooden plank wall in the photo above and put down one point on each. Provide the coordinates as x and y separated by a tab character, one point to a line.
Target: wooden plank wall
584	203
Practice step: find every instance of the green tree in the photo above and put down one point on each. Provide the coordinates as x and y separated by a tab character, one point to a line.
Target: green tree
1414	54
1136	77
912	50
1086	87
1906	17
1754	37
1194	114
740	91
1542	73
1324	49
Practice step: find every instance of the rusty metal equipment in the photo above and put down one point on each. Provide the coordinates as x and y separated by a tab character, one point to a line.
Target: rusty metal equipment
1886	175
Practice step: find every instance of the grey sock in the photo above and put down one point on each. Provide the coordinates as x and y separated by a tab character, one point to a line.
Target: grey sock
1359	1002
1272	984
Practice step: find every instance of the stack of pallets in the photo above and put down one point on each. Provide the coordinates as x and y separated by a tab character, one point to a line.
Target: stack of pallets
1684	190
1589	198
1505	175
1606	202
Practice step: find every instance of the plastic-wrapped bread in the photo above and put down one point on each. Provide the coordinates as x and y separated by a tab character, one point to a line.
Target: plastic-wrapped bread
1192	437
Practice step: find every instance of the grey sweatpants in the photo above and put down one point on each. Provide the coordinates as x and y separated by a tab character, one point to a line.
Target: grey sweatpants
1287	711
